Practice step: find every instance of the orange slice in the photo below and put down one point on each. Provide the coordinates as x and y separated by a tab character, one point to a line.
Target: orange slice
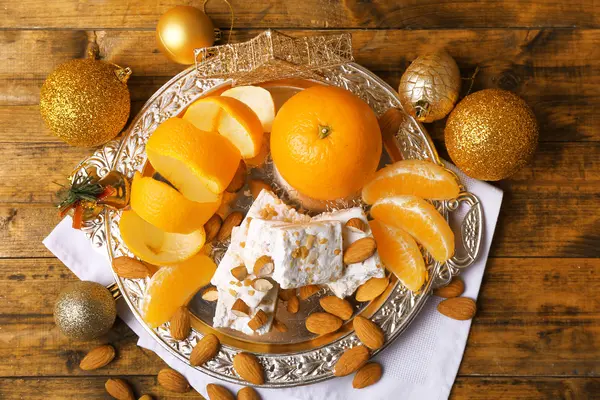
237	122
174	286
400	254
415	177
156	246
199	164
164	207
258	99
421	220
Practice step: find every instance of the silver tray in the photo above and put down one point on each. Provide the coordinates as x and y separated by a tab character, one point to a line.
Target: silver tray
299	363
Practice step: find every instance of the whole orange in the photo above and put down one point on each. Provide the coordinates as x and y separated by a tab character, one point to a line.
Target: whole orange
326	142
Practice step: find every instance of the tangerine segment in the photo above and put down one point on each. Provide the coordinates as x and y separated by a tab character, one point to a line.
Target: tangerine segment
199	164
156	246
400	254
164	207
415	177
421	220
174	286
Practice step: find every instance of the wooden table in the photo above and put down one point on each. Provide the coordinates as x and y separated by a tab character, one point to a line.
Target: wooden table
537	331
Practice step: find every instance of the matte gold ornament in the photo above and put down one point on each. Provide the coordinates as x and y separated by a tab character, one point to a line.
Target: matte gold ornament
491	134
86	102
430	86
181	30
85	310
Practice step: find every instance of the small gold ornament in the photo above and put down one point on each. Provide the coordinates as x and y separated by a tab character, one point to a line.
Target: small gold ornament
86	102
430	86
181	30
85	310
491	134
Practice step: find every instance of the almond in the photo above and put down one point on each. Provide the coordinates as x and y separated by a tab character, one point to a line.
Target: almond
259	319
263	266
130	268
256	186
367	375
210	294
97	358
247	393
279	326
146	397
322	323
173	381
240	308
455	288
306	291
360	250
218	392
336	306
246	365
262	285
239	179
119	389
368	332
460	308
180	324
240	272
356	223
230	222
371	289
286	294
351	360
206	349
212	227
293	305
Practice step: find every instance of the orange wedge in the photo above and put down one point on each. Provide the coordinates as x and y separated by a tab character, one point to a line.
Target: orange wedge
414	177
174	286
258	99
421	220
199	164
237	122
203	115
156	246
164	207
400	254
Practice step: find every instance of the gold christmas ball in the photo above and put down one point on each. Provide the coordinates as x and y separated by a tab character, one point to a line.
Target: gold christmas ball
430	86
181	30
85	310
86	102
491	134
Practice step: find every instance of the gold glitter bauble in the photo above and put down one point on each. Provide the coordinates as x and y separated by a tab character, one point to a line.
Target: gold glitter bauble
181	30
429	87
491	134
86	102
85	310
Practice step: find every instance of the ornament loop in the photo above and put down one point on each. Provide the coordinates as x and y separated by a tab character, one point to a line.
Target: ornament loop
123	74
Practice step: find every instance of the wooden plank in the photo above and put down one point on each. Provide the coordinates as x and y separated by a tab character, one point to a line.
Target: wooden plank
23	227
292	14
470	388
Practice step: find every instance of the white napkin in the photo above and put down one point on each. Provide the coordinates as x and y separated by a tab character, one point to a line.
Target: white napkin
421	364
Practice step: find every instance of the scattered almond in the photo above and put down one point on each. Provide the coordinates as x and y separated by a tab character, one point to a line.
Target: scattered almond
218	392
279	326
240	308
293	305
180	324
210	294
322	323
360	250
259	319
368	332
351	360
336	306
460	308
240	272
230	222
455	288
206	349
239	179
173	381
286	294
262	285
306	291
130	268
371	289
146	397
97	358
119	389
256	186
367	375
263	266
247	393
212	227
246	365
356	223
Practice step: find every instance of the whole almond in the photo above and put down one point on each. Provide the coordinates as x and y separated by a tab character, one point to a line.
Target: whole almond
356	223
173	381
256	186
127	267
367	375
351	360
211	227
259	320
218	392
206	349
240	272
239	179
306	291
371	289
247	393
246	365
336	306
368	332
119	389
97	358
180	324
455	288
240	308
146	397
279	326
286	294
293	305
460	308
210	294
263	266
360	250
230	222
322	323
